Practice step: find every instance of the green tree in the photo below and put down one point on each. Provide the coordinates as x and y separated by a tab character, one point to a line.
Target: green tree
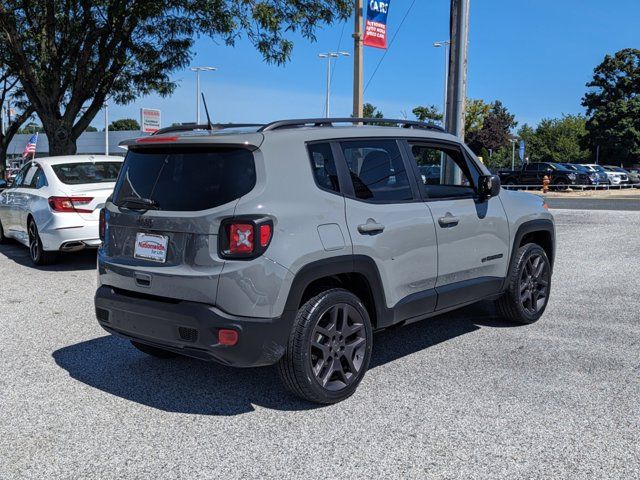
431	113
476	112
31	128
557	140
613	107
371	111
91	128
495	132
71	55
11	100
124	124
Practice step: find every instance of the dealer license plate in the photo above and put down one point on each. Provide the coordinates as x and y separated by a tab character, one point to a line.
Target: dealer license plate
151	247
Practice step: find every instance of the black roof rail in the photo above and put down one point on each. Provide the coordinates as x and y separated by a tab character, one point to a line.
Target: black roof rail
329	122
186	127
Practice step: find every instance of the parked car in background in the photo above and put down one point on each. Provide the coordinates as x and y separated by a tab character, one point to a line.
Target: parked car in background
634	176
602	173
626	176
594	177
54	203
615	178
3	184
532	174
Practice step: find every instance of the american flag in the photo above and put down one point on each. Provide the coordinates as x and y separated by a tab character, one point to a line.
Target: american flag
31	146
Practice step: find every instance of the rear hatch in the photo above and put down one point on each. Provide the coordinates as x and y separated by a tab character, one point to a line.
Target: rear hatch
163	221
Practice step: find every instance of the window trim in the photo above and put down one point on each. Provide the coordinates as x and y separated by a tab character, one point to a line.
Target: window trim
443	145
345	176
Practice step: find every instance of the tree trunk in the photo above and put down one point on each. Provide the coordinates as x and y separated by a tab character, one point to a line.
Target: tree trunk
60	137
3	158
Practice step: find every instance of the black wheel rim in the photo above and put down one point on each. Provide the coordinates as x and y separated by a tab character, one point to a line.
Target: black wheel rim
338	347
534	284
34	244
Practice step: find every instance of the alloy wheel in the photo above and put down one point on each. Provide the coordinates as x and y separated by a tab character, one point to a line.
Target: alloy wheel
534	284
338	347
34	241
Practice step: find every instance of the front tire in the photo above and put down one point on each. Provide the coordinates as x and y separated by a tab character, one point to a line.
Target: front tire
38	255
529	286
329	348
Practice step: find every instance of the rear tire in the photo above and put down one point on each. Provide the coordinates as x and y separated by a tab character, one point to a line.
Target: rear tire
561	185
529	286
153	351
38	255
329	348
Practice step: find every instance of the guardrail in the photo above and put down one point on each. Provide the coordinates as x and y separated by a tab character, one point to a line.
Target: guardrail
573	187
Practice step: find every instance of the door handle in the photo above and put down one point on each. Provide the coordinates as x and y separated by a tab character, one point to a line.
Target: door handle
448	220
371	228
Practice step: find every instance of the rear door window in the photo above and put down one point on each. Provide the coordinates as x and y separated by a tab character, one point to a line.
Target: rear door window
377	170
186	179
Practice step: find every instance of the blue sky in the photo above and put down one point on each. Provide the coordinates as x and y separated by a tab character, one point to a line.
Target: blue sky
534	55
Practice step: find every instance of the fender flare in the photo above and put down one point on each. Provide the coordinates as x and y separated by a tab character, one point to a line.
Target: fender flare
342	264
531	226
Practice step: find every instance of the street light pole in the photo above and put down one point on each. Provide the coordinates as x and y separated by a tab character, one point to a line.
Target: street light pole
358	60
198	70
513	152
329	56
106	128
446	44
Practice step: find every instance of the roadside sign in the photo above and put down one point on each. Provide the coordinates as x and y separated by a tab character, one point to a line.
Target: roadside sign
375	27
149	120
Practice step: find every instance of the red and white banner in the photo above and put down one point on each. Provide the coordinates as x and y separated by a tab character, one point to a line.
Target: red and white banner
375	26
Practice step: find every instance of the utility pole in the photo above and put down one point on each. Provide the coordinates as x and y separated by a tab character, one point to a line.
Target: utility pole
358	59
457	85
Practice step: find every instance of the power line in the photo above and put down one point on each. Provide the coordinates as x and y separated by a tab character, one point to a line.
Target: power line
390	45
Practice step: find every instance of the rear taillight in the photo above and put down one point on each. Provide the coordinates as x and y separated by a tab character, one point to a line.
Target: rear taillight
241	238
245	237
102	224
70	204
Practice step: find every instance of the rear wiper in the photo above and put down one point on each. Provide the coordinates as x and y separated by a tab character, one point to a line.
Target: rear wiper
138	203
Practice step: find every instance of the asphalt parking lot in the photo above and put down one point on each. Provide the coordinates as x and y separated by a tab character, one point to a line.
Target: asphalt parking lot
460	396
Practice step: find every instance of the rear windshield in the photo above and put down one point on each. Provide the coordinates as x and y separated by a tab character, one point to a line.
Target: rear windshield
186	179
87	172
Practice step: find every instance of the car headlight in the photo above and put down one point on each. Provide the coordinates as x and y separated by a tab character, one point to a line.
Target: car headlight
593	176
572	176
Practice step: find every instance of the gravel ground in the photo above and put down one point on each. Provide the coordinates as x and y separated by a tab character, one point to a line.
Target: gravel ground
460	396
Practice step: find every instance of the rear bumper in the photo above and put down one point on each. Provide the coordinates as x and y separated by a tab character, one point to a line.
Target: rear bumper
191	328
79	233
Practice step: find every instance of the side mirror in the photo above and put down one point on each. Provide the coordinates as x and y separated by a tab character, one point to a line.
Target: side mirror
488	186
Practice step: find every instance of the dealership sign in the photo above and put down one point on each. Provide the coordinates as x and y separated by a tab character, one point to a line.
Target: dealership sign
375	28
149	120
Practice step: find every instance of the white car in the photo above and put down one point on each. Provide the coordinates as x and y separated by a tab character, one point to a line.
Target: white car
54	204
615	178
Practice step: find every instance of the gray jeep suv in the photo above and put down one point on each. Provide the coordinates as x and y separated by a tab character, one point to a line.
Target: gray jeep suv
292	242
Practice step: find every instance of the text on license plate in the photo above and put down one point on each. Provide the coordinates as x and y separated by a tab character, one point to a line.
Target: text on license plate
151	247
